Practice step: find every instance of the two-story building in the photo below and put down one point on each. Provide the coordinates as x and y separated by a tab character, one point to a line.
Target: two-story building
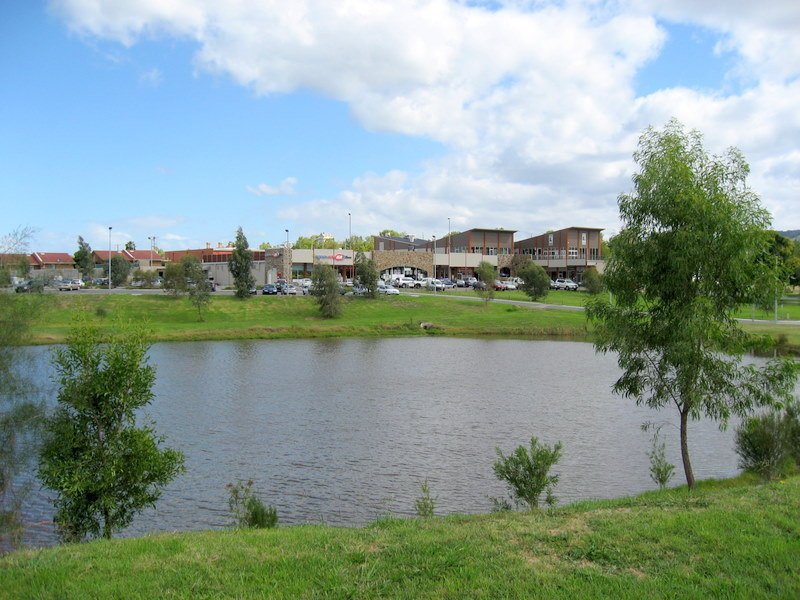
566	252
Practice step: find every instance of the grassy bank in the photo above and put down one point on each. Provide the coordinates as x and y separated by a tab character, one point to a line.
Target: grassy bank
271	317
265	317
731	539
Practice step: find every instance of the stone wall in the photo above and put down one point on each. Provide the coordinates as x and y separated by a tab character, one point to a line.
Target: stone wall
388	259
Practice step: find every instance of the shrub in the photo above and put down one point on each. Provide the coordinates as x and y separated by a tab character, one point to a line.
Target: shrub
247	509
661	470
526	472
791	423
537	281
325	286
761	445
425	504
592	281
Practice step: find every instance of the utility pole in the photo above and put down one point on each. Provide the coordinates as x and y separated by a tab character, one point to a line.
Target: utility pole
109	259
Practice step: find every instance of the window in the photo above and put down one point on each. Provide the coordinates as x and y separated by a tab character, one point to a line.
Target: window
550	239
583	238
573	253
491	251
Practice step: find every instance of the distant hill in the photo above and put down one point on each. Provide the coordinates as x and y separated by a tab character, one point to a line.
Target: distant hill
793	234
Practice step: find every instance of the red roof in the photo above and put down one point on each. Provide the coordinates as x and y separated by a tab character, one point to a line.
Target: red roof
143	254
52	258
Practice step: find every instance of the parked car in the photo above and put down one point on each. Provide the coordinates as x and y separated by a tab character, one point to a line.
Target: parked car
25	287
290	290
386	289
510	285
404	282
254	290
566	284
448	284
270	290
500	286
466	282
478	285
65	285
553	284
434	284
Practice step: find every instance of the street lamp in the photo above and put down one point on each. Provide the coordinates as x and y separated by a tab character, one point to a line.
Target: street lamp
434	263
109	259
350	243
449	267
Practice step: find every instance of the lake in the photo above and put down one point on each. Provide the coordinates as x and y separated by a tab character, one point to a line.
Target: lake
343	431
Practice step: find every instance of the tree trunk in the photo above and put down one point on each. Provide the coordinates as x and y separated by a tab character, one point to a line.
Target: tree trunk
687	463
106	524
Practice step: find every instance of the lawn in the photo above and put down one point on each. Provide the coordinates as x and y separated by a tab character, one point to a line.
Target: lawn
172	318
728	539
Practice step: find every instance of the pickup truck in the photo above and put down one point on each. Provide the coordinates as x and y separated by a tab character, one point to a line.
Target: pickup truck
405	282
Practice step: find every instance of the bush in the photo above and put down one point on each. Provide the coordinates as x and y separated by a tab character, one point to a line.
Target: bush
537	281
325	288
592	281
425	504
761	443
247	509
661	470
791	424
526	472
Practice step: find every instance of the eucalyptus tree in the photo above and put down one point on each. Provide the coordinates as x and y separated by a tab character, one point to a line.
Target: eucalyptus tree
691	251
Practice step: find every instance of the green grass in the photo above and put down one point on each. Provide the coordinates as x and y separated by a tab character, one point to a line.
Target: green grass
556	297
728	539
289	317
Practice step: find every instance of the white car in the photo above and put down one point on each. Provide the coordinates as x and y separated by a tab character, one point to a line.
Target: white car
434	284
388	290
405	282
566	284
510	285
290	289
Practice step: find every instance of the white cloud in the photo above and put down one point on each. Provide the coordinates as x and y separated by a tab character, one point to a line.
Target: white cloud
535	100
152	77
284	188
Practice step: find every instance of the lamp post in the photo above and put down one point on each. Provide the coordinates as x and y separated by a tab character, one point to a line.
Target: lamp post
449	268
350	243
109	259
434	263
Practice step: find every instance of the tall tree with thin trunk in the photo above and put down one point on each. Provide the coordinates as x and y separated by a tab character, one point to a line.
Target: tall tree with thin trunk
239	263
485	274
691	251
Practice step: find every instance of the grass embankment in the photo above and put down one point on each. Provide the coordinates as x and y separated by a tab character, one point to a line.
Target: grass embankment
265	317
728	539
271	317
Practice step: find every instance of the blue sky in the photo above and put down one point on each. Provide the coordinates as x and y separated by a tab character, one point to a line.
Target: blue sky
189	120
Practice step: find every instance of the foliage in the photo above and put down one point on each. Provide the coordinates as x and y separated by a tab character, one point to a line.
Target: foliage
144	276
762	445
485	274
592	281
240	263
792	427
661	470
392	233
120	269
103	468
425	504
519	262
367	274
197	285
13	254
325	288
83	258
536	281
688	255
20	415
247	509
130	245
356	243
526	472
174	279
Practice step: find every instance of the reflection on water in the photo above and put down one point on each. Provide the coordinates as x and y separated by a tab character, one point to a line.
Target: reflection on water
341	431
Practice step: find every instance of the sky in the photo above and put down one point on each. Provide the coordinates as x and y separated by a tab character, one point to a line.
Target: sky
183	120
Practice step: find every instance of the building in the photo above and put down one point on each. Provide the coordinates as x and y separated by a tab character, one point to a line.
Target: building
268	265
566	252
59	261
453	256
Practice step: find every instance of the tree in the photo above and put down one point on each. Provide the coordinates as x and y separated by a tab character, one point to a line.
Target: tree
103	468
174	279
145	277
83	258
688	255
197	285
485	275
518	263
120	268
239	263
527	472
325	288
20	414
130	245
536	281
592	281
367	274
